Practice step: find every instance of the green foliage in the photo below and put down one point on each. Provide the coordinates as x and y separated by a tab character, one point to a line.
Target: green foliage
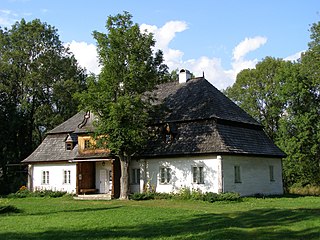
259	92
38	77
142	196
309	190
187	194
117	96
284	97
23	193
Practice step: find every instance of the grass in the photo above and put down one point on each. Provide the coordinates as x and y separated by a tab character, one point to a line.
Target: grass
253	218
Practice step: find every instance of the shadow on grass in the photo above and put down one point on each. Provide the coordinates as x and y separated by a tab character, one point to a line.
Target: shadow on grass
254	224
72	210
9	209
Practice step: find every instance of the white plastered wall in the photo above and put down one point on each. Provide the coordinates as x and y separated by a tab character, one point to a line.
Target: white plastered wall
181	173
254	173
137	165
56	177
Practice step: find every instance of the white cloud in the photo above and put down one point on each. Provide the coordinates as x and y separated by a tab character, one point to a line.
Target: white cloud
164	36
248	45
166	33
294	57
212	68
86	55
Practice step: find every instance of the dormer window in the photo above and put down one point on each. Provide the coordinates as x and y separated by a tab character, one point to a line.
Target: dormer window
69	145
70	141
87	144
168	138
167	134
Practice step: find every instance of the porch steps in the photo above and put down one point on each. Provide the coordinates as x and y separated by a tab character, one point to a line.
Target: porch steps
93	197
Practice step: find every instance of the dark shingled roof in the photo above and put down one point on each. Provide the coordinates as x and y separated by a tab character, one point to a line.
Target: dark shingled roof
201	119
53	149
197	99
76	124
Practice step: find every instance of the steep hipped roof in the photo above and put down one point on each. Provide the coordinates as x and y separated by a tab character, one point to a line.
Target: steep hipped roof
202	121
197	99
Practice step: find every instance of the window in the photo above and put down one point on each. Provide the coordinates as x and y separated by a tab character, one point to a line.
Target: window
271	173
69	146
66	176
87	144
45	177
237	176
165	175
197	175
135	176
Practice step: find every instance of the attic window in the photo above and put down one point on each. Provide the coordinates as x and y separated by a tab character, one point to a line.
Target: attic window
69	145
87	144
70	142
167	134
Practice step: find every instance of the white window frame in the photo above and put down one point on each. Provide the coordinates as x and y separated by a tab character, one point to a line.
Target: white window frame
198	174
135	176
165	175
66	176
45	178
237	174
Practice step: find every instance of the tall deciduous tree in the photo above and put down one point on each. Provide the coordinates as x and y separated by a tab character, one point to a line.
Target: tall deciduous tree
285	98
38	77
129	69
300	131
259	92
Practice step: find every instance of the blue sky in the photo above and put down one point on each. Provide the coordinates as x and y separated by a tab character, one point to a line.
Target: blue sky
218	37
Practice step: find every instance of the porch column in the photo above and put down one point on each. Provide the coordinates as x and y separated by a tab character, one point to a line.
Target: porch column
30	177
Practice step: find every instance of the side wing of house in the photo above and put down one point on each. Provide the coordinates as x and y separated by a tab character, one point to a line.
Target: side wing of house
249	175
54	176
171	174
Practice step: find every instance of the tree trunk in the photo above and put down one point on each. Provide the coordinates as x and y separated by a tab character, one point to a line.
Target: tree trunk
124	180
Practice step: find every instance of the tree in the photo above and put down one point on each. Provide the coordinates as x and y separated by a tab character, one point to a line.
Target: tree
285	98
300	132
38	77
129	69
259	92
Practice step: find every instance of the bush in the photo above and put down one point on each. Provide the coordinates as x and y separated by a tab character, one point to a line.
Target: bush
309	190
210	197
142	196
187	194
23	192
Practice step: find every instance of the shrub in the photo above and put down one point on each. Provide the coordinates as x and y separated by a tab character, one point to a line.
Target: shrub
188	194
309	190
229	196
142	196
210	197
24	192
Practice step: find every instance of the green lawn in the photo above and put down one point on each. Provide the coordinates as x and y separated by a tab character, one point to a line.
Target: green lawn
65	218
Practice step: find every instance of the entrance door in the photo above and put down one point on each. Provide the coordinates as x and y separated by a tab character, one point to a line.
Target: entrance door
104	188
